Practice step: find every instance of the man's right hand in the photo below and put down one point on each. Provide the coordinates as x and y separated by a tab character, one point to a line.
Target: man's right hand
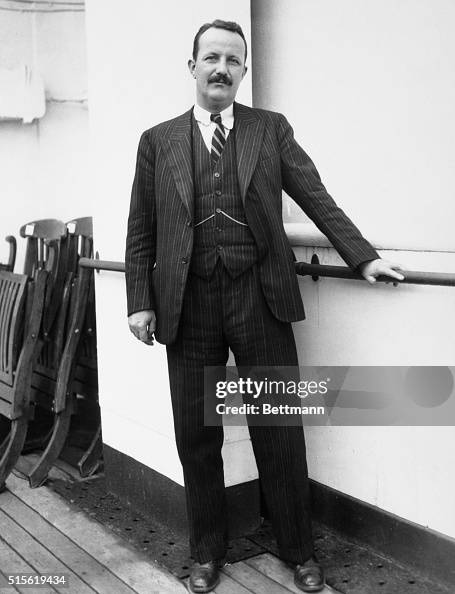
143	324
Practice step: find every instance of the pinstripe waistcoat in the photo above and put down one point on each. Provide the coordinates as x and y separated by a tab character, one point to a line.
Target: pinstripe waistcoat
160	234
220	226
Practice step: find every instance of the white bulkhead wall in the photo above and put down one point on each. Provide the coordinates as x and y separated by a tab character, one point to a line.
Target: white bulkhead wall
369	90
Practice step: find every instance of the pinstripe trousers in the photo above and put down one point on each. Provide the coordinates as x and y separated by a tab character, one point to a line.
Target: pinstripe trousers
221	313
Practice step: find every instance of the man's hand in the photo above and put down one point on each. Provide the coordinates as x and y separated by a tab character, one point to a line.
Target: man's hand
143	324
371	270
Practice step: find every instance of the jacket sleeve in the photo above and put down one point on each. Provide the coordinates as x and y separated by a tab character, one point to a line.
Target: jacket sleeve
303	184
141	236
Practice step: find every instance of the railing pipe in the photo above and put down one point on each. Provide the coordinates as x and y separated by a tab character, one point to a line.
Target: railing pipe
102	265
411	276
315	270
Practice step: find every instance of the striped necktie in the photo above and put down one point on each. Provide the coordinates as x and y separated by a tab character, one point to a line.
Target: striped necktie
218	138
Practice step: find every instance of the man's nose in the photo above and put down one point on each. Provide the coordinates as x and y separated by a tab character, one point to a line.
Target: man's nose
221	67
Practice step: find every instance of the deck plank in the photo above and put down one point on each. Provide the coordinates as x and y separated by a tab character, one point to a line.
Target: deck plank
229	586
277	570
11	562
41	560
83	564
128	564
253	579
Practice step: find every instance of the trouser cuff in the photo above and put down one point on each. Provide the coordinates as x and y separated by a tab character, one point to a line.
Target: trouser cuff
296	556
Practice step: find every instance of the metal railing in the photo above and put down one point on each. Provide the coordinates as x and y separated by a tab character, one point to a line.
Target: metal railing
102	264
315	270
412	277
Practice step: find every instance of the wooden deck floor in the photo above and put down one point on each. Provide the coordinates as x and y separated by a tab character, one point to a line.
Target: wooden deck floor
41	533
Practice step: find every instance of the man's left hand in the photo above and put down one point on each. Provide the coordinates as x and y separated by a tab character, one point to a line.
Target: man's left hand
371	270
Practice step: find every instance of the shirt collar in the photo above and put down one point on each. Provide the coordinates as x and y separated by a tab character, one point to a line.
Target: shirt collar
203	116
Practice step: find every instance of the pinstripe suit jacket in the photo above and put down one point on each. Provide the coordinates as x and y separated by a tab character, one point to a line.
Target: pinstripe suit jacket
160	232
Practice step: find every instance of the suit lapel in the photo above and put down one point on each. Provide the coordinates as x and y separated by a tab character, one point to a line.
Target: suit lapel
178	148
249	132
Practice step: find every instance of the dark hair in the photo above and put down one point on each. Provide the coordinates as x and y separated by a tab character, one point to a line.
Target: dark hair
218	24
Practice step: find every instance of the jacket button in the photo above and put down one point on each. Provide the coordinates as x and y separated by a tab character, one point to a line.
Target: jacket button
218	192
218	210
216	174
184	260
189	224
219	248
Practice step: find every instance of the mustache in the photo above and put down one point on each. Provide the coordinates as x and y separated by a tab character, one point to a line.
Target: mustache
220	78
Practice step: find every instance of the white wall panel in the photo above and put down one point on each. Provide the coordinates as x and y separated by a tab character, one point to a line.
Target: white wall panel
369	88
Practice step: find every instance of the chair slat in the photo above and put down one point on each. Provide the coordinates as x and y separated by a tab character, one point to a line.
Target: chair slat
3	293
12	295
7	307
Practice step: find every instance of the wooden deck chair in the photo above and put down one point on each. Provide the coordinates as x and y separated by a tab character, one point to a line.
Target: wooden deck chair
9	266
20	342
39	236
87	417
76	388
43	251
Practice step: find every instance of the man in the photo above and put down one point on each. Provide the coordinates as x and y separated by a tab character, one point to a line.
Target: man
209	267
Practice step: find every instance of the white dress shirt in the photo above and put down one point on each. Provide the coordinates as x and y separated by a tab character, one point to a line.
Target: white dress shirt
207	127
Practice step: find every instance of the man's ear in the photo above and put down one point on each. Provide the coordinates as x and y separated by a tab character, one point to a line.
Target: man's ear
191	67
245	70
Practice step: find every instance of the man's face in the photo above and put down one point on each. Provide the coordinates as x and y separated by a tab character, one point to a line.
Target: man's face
219	68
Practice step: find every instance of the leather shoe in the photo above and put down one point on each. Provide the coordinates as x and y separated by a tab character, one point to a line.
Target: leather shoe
309	577
204	577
